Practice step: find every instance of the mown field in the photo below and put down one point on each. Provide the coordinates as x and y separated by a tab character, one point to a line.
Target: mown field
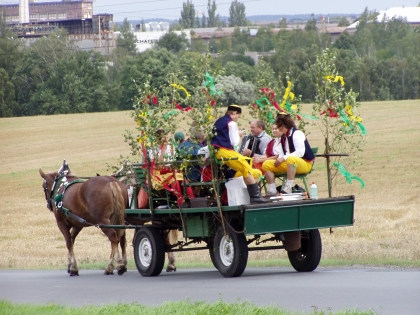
386	230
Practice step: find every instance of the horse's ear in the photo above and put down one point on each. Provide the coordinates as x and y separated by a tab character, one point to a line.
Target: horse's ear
42	174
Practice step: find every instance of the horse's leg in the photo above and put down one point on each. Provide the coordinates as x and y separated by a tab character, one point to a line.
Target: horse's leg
171	256
122	264
115	255
71	259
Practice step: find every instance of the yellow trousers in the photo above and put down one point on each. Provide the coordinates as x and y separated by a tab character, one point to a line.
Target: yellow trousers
241	166
302	166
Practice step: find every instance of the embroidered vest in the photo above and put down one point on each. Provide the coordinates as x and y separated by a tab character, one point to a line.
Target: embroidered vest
220	130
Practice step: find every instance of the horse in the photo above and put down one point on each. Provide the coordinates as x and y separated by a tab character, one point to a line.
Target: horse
76	204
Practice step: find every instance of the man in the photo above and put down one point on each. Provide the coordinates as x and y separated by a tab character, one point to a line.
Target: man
257	128
225	139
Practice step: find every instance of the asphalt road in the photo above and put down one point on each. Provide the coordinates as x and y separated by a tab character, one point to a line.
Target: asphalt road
384	291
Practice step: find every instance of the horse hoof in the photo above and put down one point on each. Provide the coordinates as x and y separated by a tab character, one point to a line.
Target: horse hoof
122	270
170	269
107	273
74	273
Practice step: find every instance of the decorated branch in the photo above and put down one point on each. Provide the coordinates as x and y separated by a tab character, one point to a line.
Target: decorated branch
338	120
274	97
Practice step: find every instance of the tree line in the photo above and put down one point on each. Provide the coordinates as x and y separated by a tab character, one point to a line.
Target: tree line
380	61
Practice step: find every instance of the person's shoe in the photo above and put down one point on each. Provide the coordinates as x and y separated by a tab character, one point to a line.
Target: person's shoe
255	194
286	189
270	194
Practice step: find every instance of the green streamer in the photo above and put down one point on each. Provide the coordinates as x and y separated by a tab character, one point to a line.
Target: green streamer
364	131
349	177
209	83
169	114
270	117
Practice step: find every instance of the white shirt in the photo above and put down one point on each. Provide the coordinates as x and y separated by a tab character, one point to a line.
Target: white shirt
234	134
168	155
299	142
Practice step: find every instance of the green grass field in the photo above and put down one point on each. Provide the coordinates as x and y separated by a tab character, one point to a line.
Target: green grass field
173	308
387	209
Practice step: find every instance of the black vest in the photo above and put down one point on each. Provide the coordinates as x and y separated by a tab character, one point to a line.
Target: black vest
308	156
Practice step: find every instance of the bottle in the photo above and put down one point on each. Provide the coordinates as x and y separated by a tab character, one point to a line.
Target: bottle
314	191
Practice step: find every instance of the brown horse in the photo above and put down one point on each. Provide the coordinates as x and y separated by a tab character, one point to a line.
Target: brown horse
76	204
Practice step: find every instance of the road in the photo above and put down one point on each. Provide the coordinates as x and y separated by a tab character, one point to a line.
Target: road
384	291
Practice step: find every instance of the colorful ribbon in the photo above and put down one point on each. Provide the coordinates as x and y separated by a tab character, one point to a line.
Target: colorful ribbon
180	87
335	78
349	177
288	93
209	83
169	114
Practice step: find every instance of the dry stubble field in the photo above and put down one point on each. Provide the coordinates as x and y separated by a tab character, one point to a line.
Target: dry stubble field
386	231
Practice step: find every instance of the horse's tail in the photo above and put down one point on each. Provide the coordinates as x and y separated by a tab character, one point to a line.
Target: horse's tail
117	216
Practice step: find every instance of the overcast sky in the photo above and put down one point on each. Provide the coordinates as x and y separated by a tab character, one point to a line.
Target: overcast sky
170	9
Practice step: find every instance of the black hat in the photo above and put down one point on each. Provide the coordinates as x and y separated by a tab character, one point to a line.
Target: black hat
235	108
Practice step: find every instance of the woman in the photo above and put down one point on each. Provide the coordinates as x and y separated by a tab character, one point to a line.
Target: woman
162	176
289	152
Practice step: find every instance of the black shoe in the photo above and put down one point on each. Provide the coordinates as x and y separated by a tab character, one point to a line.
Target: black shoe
297	189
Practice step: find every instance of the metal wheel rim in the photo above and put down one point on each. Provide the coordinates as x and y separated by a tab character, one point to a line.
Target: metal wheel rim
145	252
226	250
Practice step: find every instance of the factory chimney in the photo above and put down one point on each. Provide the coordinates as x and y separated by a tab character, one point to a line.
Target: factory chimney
23	11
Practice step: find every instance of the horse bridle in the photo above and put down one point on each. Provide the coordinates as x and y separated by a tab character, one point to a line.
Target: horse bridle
50	199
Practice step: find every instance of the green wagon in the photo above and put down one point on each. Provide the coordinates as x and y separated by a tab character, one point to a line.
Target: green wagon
228	233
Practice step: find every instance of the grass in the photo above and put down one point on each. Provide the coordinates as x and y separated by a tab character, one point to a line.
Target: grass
181	308
387	209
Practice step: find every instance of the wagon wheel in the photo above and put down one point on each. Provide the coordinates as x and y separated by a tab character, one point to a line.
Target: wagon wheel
230	252
308	256
149	251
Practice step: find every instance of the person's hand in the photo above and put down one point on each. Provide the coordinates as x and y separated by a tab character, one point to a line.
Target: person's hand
278	161
257	159
247	152
242	133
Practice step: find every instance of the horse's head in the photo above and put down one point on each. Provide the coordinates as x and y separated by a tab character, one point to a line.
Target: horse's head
50	181
47	185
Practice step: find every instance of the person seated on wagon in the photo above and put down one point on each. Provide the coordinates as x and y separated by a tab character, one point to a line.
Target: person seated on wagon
289	152
258	140
190	149
162	175
225	139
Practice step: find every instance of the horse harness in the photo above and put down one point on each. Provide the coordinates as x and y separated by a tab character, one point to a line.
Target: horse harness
58	190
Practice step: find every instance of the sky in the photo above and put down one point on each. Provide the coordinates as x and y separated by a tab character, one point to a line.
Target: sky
170	9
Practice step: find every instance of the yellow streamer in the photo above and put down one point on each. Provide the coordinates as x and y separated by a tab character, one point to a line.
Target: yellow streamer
209	114
288	93
349	111
335	79
180	87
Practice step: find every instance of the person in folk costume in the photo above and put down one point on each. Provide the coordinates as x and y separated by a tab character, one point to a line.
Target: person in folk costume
289	152
225	139
162	176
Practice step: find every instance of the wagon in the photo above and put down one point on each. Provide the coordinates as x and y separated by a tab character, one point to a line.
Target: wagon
228	233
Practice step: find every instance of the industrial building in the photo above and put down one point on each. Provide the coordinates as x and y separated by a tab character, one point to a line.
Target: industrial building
30	20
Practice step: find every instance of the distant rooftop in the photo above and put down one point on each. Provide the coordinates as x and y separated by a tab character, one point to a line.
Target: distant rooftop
411	14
